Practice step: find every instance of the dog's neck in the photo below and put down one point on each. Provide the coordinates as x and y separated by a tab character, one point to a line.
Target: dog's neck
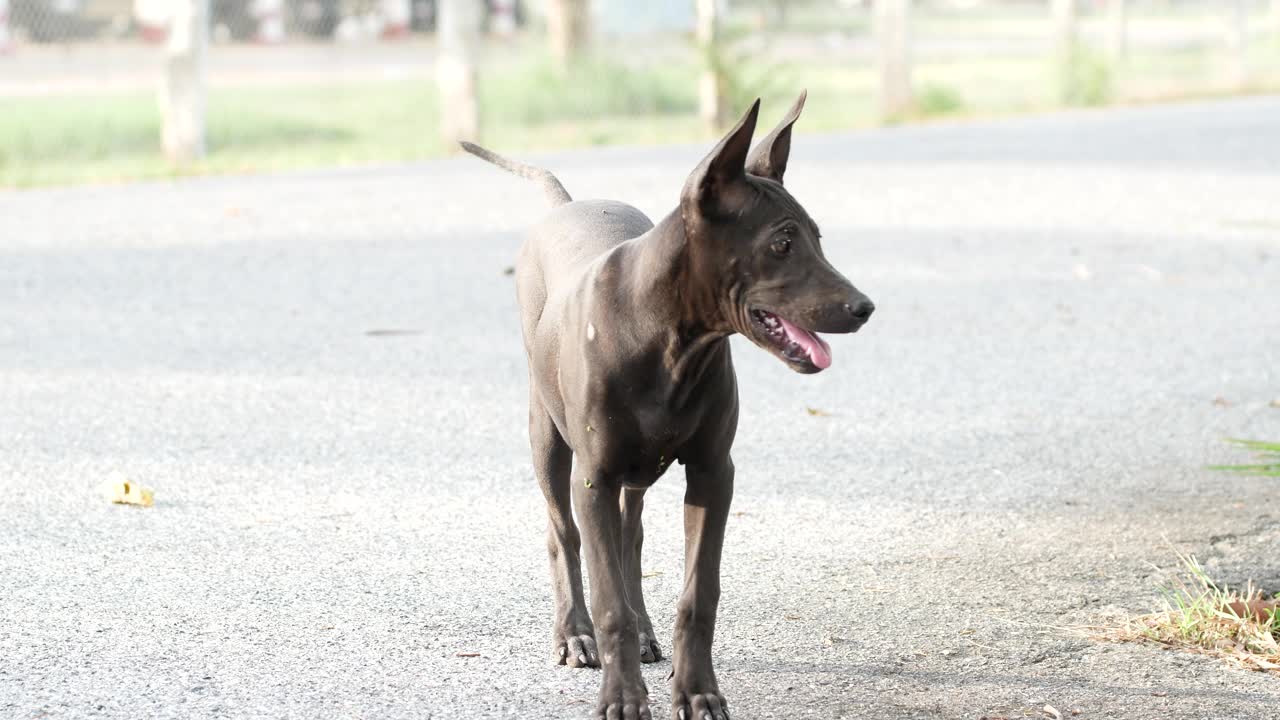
690	302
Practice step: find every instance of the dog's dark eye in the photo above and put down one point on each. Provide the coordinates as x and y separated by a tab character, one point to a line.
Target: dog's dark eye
781	246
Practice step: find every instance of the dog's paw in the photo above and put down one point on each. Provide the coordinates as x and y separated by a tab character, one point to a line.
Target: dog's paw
576	650
650	651
699	706
619	709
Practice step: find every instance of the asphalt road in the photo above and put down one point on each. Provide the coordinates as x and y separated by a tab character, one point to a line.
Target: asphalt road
1073	312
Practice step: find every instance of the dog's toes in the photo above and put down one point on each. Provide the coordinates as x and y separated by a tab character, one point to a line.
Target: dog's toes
699	706
580	651
650	651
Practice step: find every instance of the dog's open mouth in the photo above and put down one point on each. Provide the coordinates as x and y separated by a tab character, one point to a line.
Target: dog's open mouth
802	348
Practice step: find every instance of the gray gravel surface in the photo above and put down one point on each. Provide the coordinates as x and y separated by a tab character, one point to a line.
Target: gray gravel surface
1073	312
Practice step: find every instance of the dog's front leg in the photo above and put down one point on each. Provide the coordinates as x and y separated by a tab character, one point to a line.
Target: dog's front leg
695	694
623	695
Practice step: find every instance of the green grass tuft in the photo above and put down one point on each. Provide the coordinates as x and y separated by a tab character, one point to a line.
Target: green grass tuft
1267	451
1201	616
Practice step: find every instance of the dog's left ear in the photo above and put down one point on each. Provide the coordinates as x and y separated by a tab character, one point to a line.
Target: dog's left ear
718	186
769	159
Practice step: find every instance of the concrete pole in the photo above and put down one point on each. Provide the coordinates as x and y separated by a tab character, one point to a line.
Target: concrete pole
458	25
1238	41
711	102
1063	13
1119	31
568	27
1064	28
893	34
182	90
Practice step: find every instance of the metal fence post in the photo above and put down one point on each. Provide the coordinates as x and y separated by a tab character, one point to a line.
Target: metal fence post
182	90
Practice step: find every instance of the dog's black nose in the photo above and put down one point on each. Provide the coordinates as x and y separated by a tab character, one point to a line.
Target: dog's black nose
861	310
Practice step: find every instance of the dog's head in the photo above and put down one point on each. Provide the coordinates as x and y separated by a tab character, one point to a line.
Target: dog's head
757	251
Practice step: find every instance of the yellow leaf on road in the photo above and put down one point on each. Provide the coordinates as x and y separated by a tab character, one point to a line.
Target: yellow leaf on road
120	489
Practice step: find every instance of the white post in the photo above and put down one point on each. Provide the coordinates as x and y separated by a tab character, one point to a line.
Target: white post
1063	14
182	91
1119	30
1064	27
1238	42
568	25
893	33
5	41
711	105
458	25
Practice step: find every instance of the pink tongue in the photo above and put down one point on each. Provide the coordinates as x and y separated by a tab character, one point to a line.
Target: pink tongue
818	349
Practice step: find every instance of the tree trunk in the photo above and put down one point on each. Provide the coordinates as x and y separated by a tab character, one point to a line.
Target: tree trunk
458	35
182	92
569	27
893	33
1119	30
711	101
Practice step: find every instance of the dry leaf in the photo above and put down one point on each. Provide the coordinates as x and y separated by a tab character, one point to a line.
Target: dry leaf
121	490
816	412
1052	712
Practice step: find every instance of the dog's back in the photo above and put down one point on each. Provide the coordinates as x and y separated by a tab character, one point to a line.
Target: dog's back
567	243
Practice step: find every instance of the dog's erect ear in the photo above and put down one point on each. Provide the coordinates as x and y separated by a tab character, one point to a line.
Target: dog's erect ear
718	185
769	159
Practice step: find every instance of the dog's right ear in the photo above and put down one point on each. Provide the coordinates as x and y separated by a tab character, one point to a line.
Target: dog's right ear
718	186
769	159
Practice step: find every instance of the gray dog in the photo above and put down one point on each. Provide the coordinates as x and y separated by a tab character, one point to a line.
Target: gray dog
626	326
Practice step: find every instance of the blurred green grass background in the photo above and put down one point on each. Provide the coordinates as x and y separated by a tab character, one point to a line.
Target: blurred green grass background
527	105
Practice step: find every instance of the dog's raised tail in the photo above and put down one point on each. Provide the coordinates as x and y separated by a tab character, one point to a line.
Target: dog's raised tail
551	187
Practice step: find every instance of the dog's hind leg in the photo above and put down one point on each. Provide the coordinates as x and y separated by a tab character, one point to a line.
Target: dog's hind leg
632	540
573	637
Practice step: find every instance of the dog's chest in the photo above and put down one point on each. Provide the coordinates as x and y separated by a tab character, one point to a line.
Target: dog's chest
635	419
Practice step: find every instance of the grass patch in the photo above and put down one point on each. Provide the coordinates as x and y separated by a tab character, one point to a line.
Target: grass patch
537	93
938	100
1241	627
1268	452
526	104
1086	79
